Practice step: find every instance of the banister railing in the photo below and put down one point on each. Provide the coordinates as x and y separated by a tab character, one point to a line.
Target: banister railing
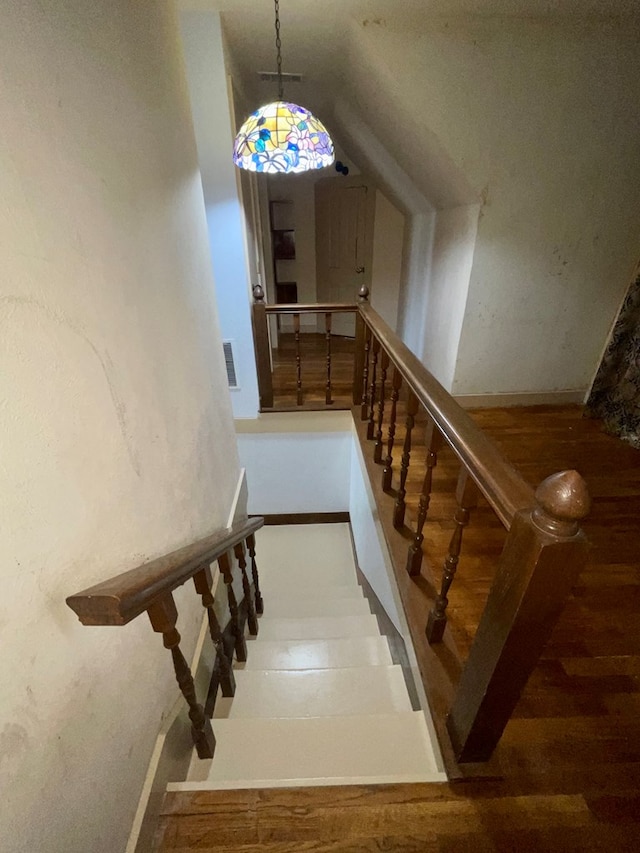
501	484
544	549
149	588
261	313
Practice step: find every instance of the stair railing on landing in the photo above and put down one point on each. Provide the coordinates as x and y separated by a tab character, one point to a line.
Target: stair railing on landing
149	588
544	550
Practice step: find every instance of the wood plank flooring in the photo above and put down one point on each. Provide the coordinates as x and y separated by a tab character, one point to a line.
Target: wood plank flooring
566	775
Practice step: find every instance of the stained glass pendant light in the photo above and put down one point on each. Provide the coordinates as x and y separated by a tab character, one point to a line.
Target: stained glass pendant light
281	136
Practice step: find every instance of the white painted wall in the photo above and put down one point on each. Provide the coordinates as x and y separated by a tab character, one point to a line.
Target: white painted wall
419	222
368	538
388	246
541	119
414	287
117	439
226	218
297	462
451	263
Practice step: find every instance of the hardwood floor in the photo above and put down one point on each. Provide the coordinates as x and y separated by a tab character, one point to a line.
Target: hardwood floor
566	775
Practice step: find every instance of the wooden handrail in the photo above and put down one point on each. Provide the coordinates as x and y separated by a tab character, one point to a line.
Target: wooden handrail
506	491
121	598
320	308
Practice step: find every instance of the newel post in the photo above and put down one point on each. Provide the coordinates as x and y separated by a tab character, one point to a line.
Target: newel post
261	342
359	355
543	555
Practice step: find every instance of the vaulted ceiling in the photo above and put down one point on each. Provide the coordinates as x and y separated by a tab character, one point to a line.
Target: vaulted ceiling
315	32
335	46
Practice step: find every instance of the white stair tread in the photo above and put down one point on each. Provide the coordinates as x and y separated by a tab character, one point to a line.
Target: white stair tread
318	654
314	555
324	593
316	692
317	606
359	749
317	627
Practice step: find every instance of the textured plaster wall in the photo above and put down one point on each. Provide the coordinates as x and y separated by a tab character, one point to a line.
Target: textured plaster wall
539	122
117	438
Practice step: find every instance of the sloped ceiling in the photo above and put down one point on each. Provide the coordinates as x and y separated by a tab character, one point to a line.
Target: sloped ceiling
327	43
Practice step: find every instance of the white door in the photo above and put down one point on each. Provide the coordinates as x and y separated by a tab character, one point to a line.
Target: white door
345	208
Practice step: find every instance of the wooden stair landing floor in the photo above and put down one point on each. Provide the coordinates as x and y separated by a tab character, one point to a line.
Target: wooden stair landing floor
409	818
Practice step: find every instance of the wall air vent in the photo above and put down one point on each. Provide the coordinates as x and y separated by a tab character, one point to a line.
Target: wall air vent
272	77
229	363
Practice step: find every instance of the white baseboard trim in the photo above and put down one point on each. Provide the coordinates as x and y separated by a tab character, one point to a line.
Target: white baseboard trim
172	752
542	398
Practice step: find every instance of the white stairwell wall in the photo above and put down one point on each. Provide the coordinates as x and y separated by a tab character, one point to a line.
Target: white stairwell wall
319	701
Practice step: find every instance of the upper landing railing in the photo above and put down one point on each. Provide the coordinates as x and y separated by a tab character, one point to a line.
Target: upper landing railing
544	549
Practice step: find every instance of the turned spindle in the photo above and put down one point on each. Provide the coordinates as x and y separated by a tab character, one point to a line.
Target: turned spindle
433	442
467	499
251	545
384	366
222	668
240	644
327	325
400	505
163	616
371	424
387	473
252	619
364	404
296	334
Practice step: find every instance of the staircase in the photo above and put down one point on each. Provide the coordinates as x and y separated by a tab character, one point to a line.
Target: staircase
319	700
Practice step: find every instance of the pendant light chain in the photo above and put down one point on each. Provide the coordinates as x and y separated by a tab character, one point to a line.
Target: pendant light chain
279	51
280	136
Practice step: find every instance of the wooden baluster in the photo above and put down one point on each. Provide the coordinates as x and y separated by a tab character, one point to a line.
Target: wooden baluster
251	545
433	442
240	644
371	425
396	384
327	326
543	555
364	402
222	668
361	358
400	506
384	365
262	345
296	331
467	498
252	619
163	616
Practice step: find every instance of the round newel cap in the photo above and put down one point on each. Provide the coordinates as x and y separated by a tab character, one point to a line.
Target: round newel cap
363	293
562	501
258	293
